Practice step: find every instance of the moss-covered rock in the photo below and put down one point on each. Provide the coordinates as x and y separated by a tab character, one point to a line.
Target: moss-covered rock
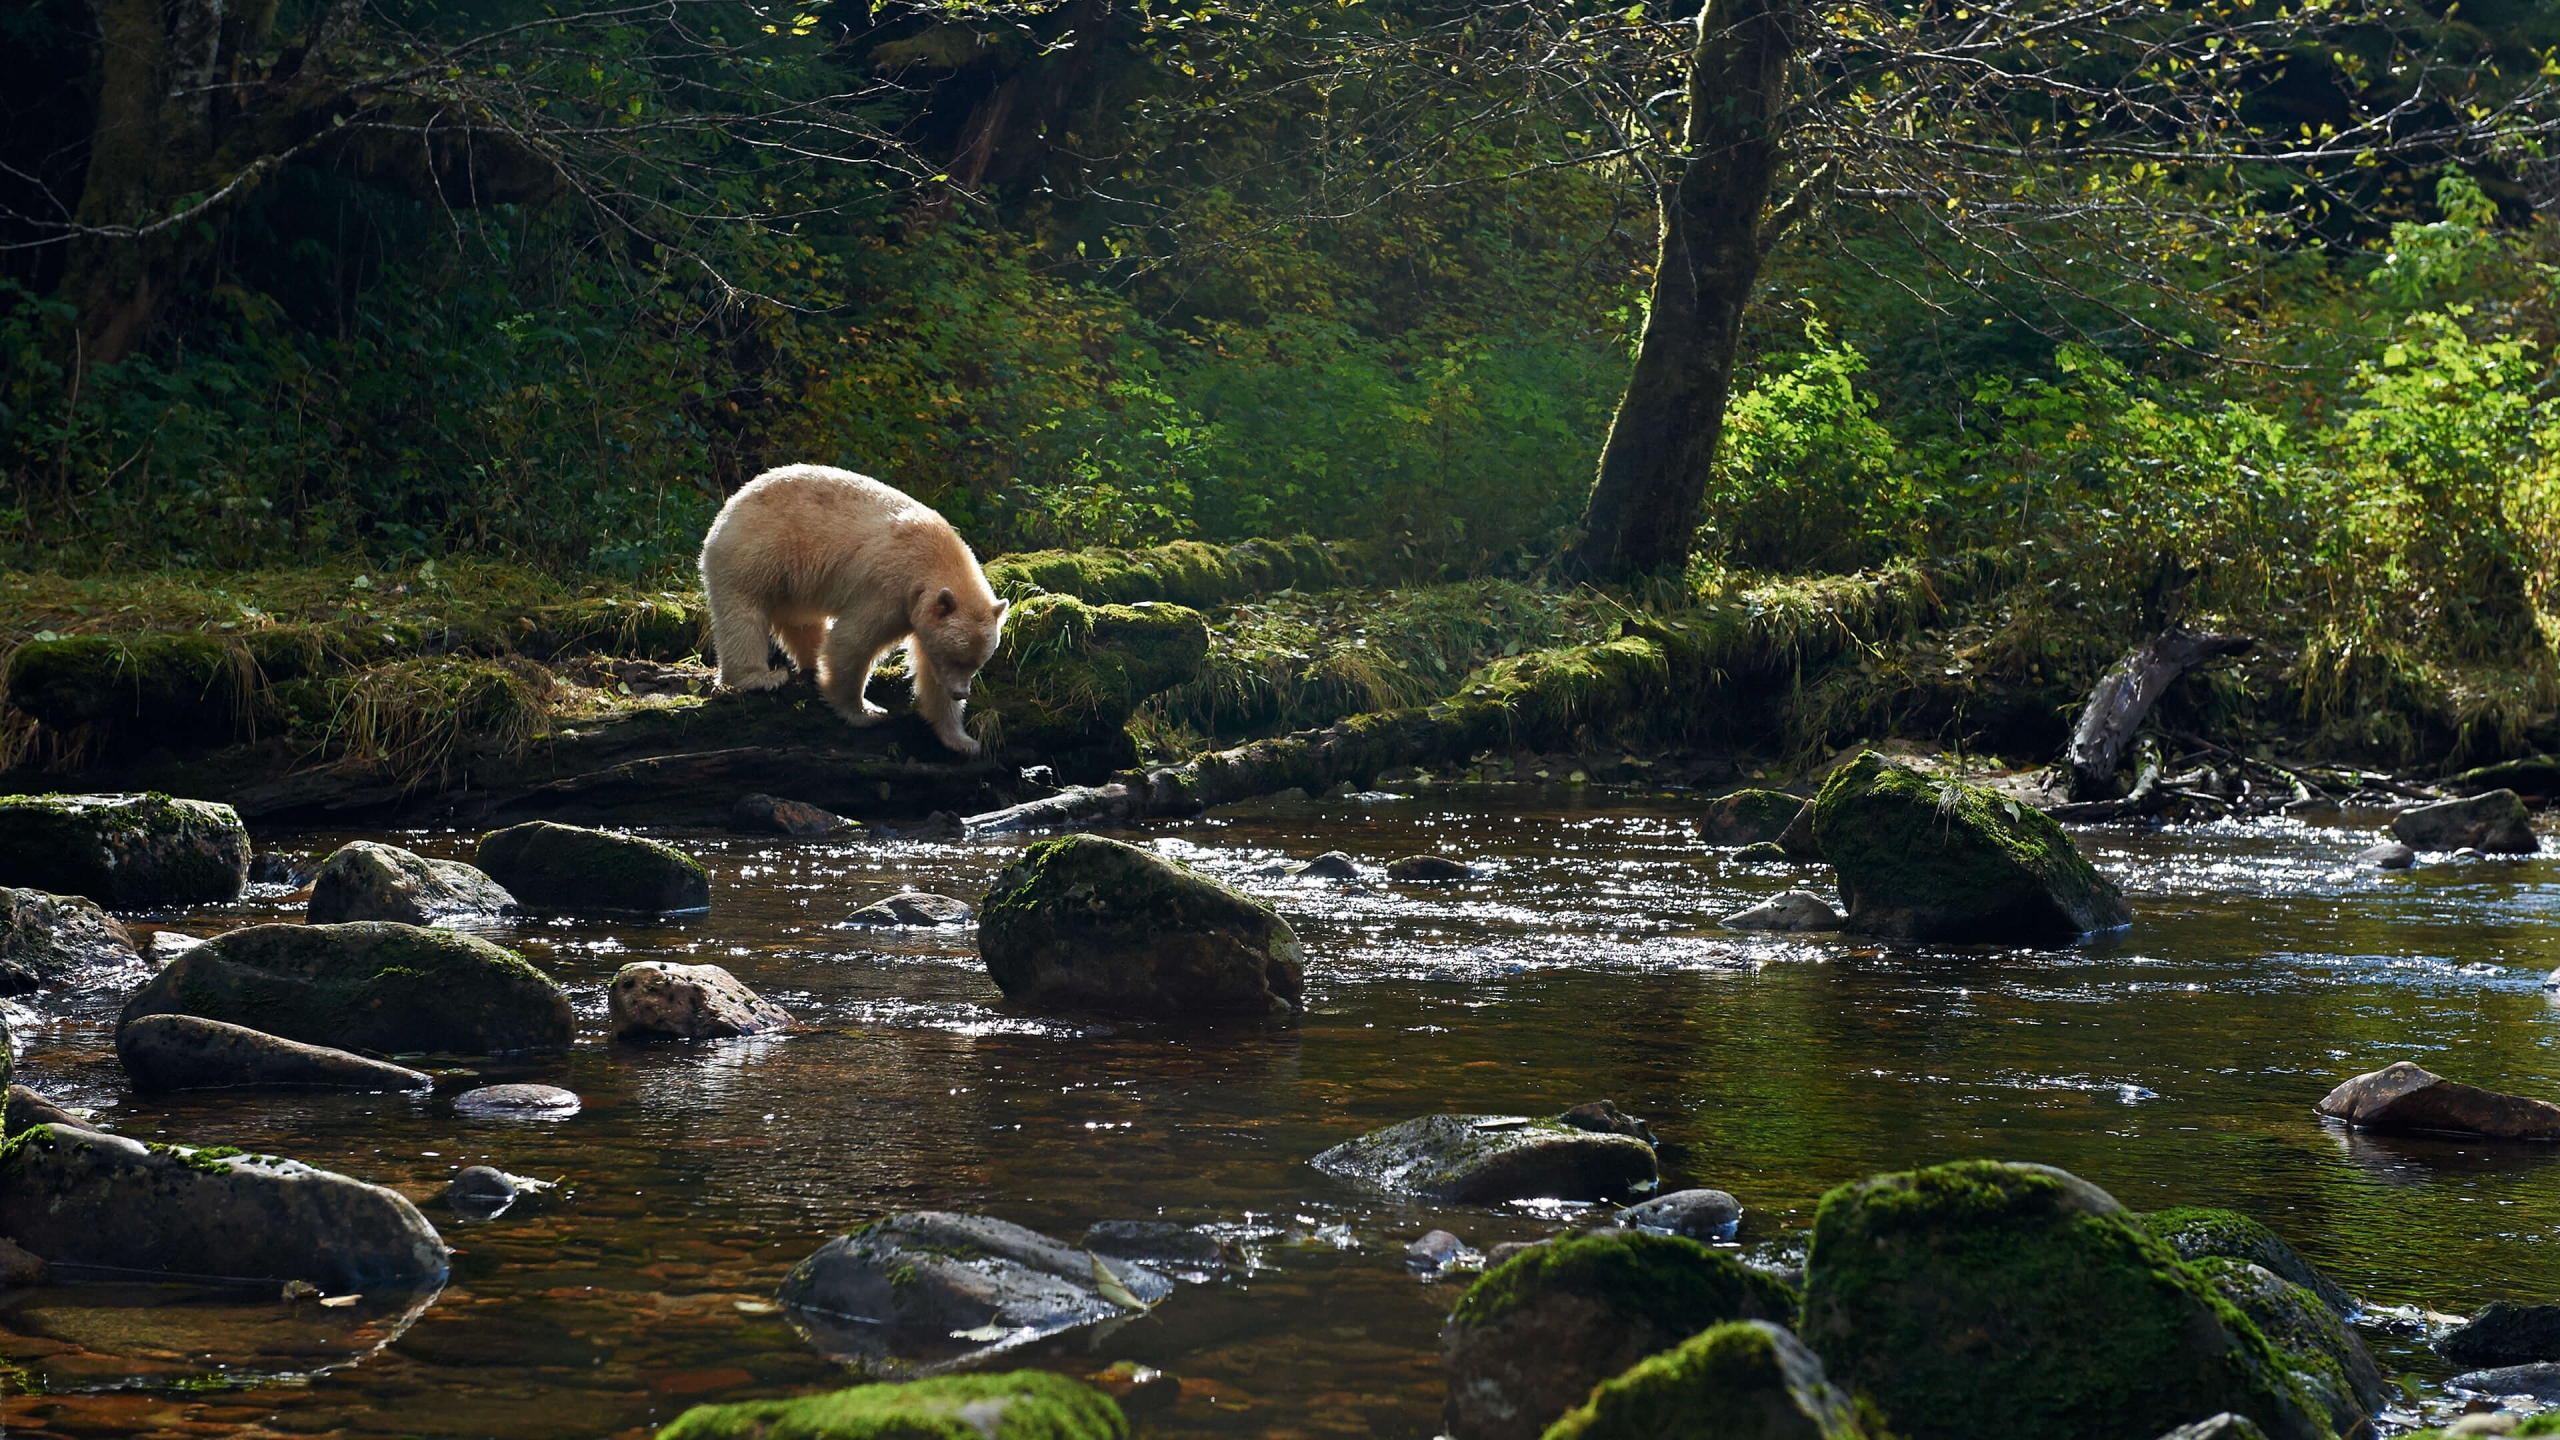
1748	817
363	880
1535	1333
373	985
1084	923
2327	1357
2197	1232
1488	1159
1923	858
47	939
1071	673
127	852
1023	1405
1980	1298
569	867
1741	1380
187	691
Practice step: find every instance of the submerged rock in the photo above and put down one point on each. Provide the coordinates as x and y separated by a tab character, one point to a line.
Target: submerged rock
772	815
2389	855
2504	1333
1084	923
1331	865
2199	1232
930	1287
567	867
365	881
1800	910
127	852
1767	852
2316	1345
371	985
1487	1159
1024	1405
1155	1242
2404	1097
1701	1215
1981	1298
481	1192
913	908
1742	1380
1921	858
47	939
652	1000
2494	822
2540	1380
518	1102
1429	870
189	1052
1535	1333
83	1198
1748	817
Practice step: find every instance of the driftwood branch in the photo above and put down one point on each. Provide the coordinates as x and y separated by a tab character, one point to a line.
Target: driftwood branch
2124	697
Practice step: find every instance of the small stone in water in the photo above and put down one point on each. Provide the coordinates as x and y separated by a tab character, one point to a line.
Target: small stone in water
532	1102
773	815
2389	855
1698	1214
2540	1380
1429	870
482	1192
1331	865
19	1267
912	907
1433	1251
1794	910
297	1291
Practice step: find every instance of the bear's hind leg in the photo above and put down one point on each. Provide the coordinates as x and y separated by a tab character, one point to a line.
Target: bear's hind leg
741	637
845	666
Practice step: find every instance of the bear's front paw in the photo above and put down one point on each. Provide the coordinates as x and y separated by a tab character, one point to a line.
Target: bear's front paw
757	680
861	712
959	742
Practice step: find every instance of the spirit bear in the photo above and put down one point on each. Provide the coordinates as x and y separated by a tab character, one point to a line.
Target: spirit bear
843	569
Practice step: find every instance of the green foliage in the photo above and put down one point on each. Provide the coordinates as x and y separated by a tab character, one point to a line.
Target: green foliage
1809	478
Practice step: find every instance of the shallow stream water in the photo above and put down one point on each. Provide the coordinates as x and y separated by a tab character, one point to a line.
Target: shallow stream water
2176	1063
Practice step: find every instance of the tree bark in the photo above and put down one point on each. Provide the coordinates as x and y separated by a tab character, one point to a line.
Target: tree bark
2123	698
1643	511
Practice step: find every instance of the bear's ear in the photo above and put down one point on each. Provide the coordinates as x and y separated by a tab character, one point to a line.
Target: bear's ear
945	603
1001	607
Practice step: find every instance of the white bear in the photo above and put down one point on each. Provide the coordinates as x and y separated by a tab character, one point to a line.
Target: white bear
844	569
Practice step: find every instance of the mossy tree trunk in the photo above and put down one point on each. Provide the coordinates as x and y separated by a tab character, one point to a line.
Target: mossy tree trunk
1716	230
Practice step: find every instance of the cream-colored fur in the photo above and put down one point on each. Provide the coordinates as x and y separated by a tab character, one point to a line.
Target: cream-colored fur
844	570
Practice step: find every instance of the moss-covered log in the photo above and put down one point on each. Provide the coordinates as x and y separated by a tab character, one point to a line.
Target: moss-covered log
1186	572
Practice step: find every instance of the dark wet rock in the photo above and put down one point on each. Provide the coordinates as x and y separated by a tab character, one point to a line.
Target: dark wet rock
931	1287
913	908
1742	1380
2540	1380
2495	821
26	1109
21	1268
1794	910
1084	923
940	825
1160	1243
2199	1232
371	985
84	1198
653	1000
365	881
1429	870
1535	1333
1023	1405
772	815
2320	1349
482	1192
127	852
1432	1250
1799	841
1922	858
1748	817
517	1102
1331	865
2389	855
2504	1333
1603	1117
2404	1097
1507	1249
267	867
1487	1159
188	1052
167	945
1698	1214
2225	1426
47	939
1767	852
567	867
1980	1298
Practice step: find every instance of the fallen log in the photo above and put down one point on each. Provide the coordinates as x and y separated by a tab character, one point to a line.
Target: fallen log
2123	699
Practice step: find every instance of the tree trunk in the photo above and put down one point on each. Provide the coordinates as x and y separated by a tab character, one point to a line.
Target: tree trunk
2123	698
1643	512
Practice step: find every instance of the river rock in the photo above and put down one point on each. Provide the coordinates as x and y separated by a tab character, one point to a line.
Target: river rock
2405	1097
1160	1243
26	1109
567	867
1023	1405
1767	852
47	939
84	1198
651	1000
167	945
913	908
365	881
518	1102
1331	865
1535	1333
1799	841
1429	870
481	1192
1921	858
2321	1350
2540	1380
1487	1159
269	867
1748	817
1794	910
189	1052
1429	1252
930	1287
2504	1333
21	1268
2225	1426
2199	1232
1742	1380
1084	923
2495	822
127	852
772	815
369	985
2389	855
1703	1215
1980	1298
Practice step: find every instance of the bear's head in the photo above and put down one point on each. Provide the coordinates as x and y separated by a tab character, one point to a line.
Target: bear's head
957	634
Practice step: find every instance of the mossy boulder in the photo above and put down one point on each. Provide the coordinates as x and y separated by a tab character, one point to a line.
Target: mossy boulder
2199	1232
363	880
1741	1380
1982	1298
371	985
1922	858
1071	673
78	1197
1022	1405
47	939
183	690
568	867
1488	1159
1748	817
1084	923
1532	1336
127	852
2325	1355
